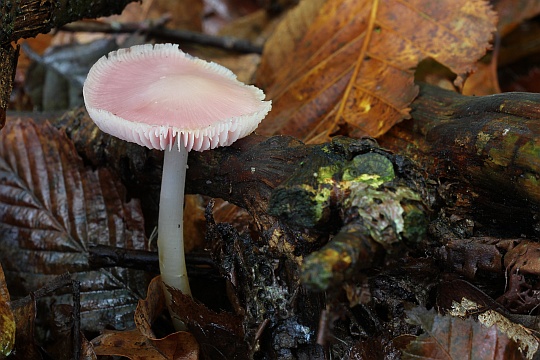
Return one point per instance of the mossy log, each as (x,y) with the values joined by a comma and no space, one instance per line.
(486,148)
(266,175)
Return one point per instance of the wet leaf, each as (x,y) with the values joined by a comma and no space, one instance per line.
(524,258)
(355,63)
(219,334)
(135,346)
(7,320)
(448,337)
(52,208)
(24,311)
(141,343)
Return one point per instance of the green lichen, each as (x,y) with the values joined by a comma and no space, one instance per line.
(504,151)
(482,139)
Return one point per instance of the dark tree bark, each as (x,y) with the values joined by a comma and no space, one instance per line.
(487,146)
(27,18)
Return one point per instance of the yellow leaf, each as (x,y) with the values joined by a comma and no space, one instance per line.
(354,65)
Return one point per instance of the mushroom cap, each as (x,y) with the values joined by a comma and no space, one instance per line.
(155,95)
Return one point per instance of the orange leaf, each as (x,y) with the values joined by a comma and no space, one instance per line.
(135,346)
(355,63)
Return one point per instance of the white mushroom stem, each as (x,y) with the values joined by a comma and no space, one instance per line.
(172,263)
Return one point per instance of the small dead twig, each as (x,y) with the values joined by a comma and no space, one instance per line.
(161,33)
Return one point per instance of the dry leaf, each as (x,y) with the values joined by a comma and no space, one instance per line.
(7,320)
(135,346)
(513,12)
(52,208)
(525,338)
(141,343)
(447,337)
(355,63)
(484,81)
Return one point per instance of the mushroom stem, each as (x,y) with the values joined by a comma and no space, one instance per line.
(172,262)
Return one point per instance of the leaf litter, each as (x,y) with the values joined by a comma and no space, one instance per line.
(52,209)
(355,63)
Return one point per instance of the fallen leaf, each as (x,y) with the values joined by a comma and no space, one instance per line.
(525,338)
(355,63)
(514,12)
(7,320)
(141,343)
(26,348)
(52,208)
(511,13)
(135,346)
(281,46)
(448,337)
(219,334)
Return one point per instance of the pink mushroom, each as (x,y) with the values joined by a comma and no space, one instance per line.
(162,98)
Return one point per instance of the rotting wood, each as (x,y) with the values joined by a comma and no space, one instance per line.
(486,149)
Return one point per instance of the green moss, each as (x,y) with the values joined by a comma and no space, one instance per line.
(327,173)
(369,167)
(502,154)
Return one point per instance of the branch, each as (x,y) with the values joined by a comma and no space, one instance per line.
(29,18)
(487,146)
(172,35)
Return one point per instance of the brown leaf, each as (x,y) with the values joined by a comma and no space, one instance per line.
(135,346)
(24,311)
(7,320)
(52,208)
(141,343)
(513,12)
(484,80)
(219,334)
(448,337)
(355,62)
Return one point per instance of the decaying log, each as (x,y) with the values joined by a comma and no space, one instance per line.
(485,149)
(301,196)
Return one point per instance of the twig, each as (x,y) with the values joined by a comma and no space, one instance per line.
(102,256)
(24,19)
(161,33)
(76,288)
